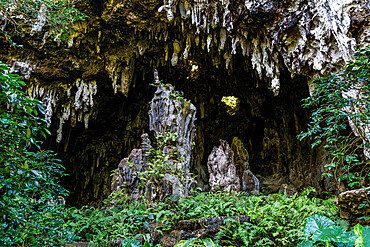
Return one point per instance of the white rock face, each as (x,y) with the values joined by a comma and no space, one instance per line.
(310,38)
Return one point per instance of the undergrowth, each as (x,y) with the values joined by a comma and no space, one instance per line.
(276,220)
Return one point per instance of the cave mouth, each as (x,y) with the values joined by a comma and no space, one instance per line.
(266,123)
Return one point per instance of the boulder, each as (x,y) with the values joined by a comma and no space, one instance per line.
(221,168)
(355,204)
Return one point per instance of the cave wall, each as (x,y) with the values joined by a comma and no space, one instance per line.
(96,90)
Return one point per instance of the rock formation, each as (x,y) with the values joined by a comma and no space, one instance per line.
(221,168)
(250,182)
(126,177)
(241,156)
(186,229)
(166,170)
(171,113)
(354,206)
(229,171)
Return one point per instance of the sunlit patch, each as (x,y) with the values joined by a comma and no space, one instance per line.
(193,70)
(232,104)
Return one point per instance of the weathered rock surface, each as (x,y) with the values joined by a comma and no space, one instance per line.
(173,121)
(171,113)
(355,204)
(241,156)
(126,177)
(221,168)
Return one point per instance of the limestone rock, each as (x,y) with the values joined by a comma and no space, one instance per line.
(170,113)
(186,229)
(172,119)
(126,176)
(222,169)
(351,205)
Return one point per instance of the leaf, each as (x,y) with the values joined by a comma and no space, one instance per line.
(334,234)
(37,173)
(317,222)
(358,229)
(187,243)
(208,242)
(28,134)
(306,244)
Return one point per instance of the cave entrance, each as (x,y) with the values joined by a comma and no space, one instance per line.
(229,105)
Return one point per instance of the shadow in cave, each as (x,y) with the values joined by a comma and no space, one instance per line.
(266,124)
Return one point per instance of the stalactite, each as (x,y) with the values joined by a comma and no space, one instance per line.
(310,44)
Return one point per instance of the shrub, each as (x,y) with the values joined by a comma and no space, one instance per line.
(29,177)
(276,220)
(340,101)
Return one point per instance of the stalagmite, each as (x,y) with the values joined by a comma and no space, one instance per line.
(168,115)
(221,168)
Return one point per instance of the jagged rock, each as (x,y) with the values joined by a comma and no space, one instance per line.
(126,177)
(170,113)
(250,182)
(222,169)
(354,204)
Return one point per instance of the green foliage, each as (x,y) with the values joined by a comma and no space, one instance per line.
(363,233)
(134,243)
(56,16)
(336,100)
(321,229)
(276,220)
(29,176)
(158,164)
(164,159)
(101,227)
(207,205)
(207,242)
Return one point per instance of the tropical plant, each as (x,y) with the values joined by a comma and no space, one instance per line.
(31,213)
(363,233)
(321,229)
(101,227)
(207,242)
(340,120)
(134,243)
(276,220)
(30,16)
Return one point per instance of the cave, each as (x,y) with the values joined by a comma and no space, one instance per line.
(96,86)
(266,123)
